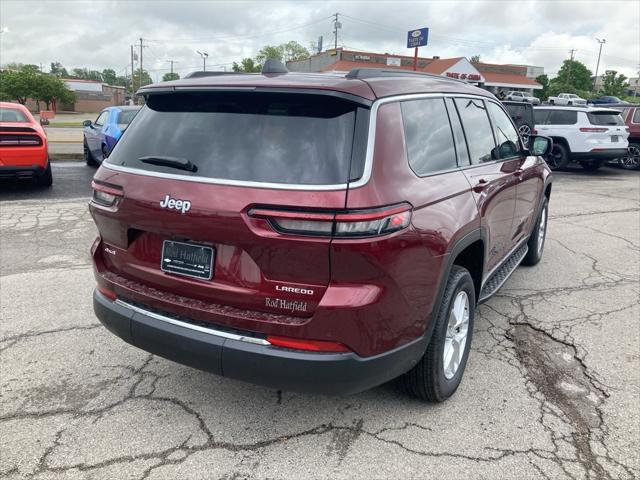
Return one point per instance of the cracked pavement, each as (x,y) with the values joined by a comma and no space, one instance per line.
(552,387)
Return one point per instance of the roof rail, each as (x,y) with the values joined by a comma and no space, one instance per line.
(200,74)
(364,73)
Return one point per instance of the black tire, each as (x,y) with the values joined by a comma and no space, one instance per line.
(427,380)
(552,102)
(558,158)
(569,103)
(632,160)
(105,154)
(536,240)
(46,179)
(88,157)
(591,166)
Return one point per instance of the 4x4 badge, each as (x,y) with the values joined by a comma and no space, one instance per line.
(183,205)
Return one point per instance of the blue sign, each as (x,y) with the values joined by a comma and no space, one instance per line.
(417,38)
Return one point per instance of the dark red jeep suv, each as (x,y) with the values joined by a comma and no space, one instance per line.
(315,232)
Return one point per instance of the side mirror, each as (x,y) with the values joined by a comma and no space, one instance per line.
(540,146)
(87,123)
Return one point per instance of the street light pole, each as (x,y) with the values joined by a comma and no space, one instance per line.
(204,56)
(595,79)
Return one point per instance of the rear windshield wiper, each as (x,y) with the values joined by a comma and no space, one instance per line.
(173,162)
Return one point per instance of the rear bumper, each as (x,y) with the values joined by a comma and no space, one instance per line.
(607,154)
(27,171)
(251,358)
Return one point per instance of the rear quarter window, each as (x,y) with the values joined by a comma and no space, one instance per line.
(428,136)
(636,116)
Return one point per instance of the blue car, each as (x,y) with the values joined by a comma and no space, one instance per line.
(607,100)
(101,136)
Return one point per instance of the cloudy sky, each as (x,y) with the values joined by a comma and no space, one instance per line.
(98,34)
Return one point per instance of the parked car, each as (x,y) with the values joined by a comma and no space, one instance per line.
(590,136)
(607,100)
(23,146)
(567,99)
(522,116)
(631,117)
(319,233)
(101,136)
(521,97)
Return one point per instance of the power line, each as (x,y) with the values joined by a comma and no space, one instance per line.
(239,36)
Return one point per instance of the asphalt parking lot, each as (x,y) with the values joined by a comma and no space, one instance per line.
(551,390)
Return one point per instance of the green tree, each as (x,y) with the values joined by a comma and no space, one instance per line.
(575,74)
(109,76)
(246,65)
(57,70)
(146,79)
(544,93)
(614,84)
(170,76)
(293,51)
(475,59)
(51,90)
(269,51)
(19,85)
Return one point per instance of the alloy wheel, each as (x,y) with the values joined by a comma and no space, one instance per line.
(542,229)
(632,160)
(456,336)
(554,158)
(525,131)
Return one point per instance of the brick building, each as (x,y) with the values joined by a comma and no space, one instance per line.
(495,78)
(91,96)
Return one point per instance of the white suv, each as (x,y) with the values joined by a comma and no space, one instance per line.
(521,97)
(589,135)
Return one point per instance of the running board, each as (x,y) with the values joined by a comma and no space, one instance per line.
(502,273)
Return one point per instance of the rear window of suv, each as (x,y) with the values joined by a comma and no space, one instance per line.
(280,138)
(605,118)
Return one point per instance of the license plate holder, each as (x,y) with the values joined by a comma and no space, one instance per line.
(614,138)
(187,259)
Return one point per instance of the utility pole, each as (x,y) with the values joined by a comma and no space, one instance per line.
(336,25)
(595,79)
(132,92)
(140,61)
(572,51)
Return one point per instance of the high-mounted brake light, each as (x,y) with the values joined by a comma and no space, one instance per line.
(339,224)
(309,345)
(593,129)
(105,194)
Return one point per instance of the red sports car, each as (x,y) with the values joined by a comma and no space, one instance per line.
(23,145)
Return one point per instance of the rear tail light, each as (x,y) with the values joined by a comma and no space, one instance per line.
(106,194)
(308,345)
(339,224)
(593,129)
(20,140)
(110,294)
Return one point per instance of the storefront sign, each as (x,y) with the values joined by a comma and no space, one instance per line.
(465,76)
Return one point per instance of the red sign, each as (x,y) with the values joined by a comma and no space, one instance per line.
(465,76)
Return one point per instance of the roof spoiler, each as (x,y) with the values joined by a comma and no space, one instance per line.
(364,73)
